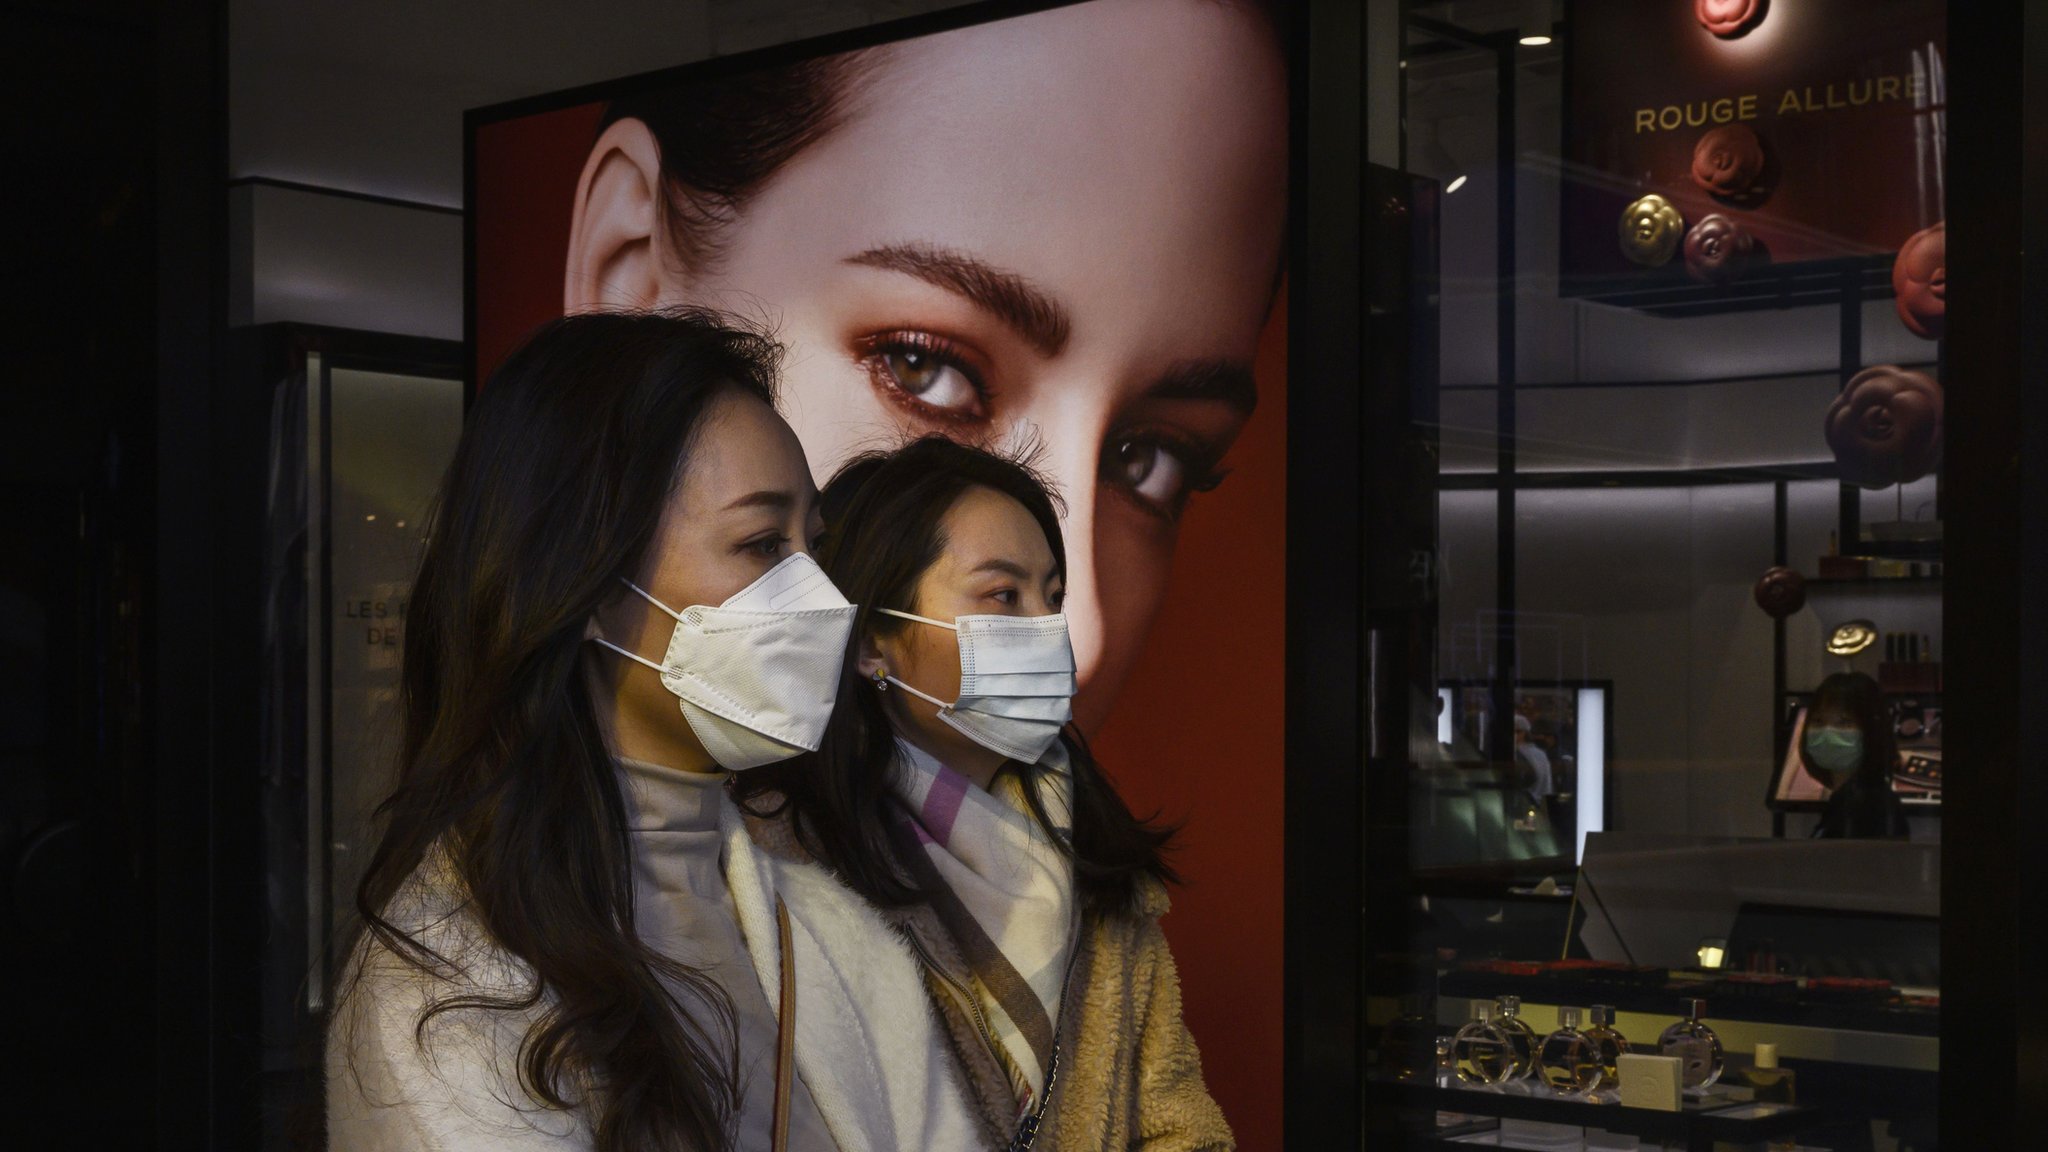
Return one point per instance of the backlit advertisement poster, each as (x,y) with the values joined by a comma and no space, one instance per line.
(1059,230)
(1716,141)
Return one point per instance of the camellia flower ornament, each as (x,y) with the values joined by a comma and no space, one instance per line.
(1780,592)
(1729,18)
(1885,427)
(1650,230)
(1920,282)
(1727,160)
(1718,249)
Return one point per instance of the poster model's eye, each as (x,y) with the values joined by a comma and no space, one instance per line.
(928,374)
(1158,472)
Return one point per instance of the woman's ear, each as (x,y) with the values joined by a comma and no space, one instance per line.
(615,230)
(871,659)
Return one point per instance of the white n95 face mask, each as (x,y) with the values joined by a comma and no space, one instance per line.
(757,675)
(1016,681)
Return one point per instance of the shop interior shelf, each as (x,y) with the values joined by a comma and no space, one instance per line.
(1898,583)
(1721,1120)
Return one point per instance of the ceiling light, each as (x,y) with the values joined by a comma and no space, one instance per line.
(1536,41)
(1536,22)
(1455,184)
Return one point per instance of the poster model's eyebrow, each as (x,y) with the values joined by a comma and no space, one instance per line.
(1229,381)
(1035,316)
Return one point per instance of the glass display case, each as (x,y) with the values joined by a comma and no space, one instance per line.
(1672,661)
(361,427)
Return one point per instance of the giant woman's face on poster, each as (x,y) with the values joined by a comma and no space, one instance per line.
(1061,231)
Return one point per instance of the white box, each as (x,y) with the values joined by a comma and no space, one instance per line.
(1650,1082)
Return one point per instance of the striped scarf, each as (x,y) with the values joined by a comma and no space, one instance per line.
(1003,890)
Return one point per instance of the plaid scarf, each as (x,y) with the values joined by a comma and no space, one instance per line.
(1003,890)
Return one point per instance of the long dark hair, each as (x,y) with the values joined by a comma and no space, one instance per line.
(556,489)
(883,531)
(1863,806)
(1859,697)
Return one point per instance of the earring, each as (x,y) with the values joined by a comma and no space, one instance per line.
(881,680)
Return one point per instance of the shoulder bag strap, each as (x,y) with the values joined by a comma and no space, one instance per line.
(785,1031)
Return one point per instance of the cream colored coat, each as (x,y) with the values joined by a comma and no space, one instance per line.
(868,1046)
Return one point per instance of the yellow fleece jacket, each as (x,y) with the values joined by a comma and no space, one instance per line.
(1130,1077)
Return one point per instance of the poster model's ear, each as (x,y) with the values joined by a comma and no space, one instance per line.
(615,233)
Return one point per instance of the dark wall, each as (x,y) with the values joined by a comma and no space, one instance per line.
(109,954)
(77,397)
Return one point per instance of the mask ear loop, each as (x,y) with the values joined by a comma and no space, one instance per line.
(635,656)
(919,619)
(647,596)
(885,677)
(943,706)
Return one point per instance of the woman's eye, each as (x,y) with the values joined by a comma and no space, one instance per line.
(770,546)
(926,371)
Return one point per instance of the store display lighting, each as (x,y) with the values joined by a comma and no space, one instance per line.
(1456,183)
(1535,23)
(1852,637)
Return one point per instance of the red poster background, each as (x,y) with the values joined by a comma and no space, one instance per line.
(1197,734)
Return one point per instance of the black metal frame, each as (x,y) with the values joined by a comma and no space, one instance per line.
(1994,1025)
(201,861)
(1326,746)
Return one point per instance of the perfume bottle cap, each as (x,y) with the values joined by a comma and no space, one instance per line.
(1766,1055)
(1481,1010)
(1696,1007)
(1509,1005)
(1603,1015)
(1568,1018)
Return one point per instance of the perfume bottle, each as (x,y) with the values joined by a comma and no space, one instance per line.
(1697,1048)
(1407,1047)
(1772,1084)
(1446,1063)
(1484,1058)
(1522,1038)
(1610,1043)
(1570,1062)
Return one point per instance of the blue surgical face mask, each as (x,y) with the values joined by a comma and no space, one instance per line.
(1836,751)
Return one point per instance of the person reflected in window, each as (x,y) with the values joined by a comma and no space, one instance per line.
(1849,745)
(1532,763)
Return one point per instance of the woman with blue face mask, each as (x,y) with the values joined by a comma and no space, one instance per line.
(951,791)
(1848,744)
(570,942)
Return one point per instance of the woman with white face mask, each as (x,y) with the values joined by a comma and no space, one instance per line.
(951,790)
(570,941)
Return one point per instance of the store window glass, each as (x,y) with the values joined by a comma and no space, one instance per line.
(1675,777)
